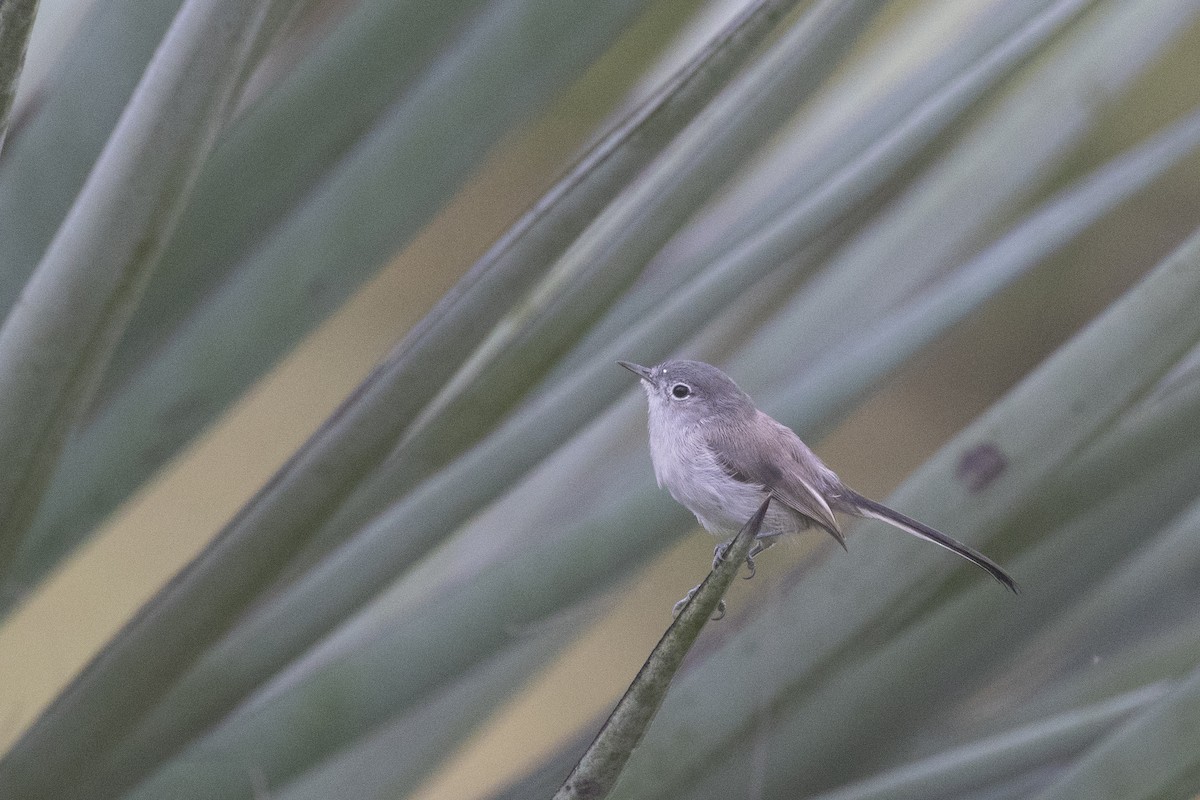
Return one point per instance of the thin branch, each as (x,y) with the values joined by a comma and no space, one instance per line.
(597,771)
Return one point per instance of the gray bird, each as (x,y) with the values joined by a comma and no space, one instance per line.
(719,456)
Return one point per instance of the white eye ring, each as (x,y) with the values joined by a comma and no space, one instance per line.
(680,391)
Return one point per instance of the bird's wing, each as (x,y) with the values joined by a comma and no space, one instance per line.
(770,455)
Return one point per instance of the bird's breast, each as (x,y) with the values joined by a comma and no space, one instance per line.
(686,466)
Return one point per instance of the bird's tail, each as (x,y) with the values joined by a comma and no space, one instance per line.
(866,507)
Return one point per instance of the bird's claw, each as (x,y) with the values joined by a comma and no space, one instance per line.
(755,549)
(719,553)
(722,550)
(678,607)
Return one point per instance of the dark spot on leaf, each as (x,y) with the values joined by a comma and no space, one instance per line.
(981,465)
(320,293)
(584,787)
(182,412)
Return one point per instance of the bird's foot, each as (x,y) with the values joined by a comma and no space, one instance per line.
(755,549)
(678,607)
(723,549)
(719,553)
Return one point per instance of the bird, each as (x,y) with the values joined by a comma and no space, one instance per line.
(719,456)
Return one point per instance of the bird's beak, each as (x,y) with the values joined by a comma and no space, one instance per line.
(637,369)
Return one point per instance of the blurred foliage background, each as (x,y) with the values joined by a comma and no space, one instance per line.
(904,216)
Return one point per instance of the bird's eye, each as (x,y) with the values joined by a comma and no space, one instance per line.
(681,390)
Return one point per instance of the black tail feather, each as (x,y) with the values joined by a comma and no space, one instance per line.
(869,508)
